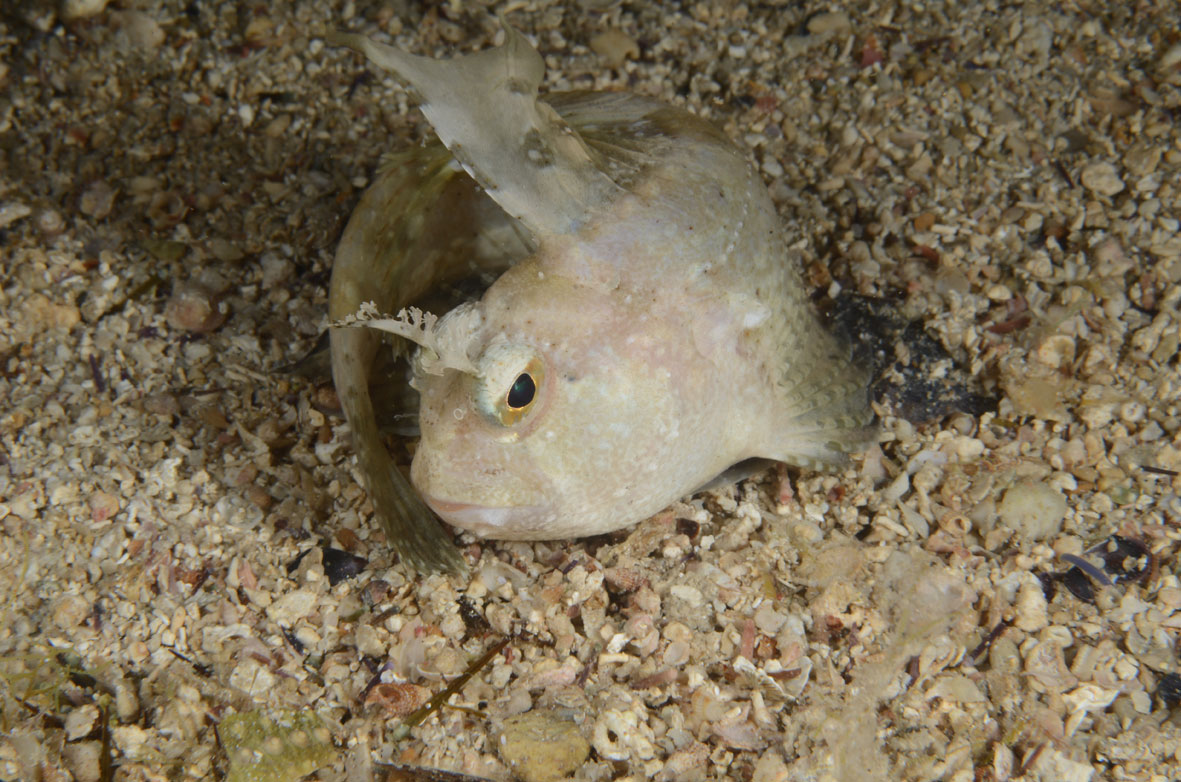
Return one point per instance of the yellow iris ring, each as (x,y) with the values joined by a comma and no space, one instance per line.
(509,416)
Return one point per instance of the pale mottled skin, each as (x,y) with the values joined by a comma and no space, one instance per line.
(660,317)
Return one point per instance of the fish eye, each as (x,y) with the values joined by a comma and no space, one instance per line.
(521,392)
(516,402)
(510,381)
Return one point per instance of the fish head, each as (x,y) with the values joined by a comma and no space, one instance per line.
(565,412)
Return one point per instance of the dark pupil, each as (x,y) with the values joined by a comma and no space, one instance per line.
(521,392)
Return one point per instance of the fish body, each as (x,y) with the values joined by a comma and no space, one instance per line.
(652,332)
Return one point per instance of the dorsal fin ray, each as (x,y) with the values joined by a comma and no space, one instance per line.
(485,108)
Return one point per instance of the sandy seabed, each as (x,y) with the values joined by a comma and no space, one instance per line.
(194,586)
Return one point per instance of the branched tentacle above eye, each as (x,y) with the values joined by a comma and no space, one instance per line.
(445,341)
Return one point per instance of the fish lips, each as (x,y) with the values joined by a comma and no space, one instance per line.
(481,487)
(513,522)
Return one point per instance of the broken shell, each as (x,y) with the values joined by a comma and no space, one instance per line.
(1088,698)
(1056,351)
(1045,663)
(398,700)
(1031,608)
(941,653)
(619,735)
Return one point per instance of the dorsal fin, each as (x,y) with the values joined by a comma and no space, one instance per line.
(485,108)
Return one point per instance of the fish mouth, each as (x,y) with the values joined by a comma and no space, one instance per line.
(486,521)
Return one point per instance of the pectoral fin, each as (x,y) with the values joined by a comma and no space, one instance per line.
(823,412)
(421,224)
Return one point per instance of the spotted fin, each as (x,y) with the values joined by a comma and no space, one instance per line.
(824,412)
(485,109)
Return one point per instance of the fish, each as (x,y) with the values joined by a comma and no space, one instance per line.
(647,329)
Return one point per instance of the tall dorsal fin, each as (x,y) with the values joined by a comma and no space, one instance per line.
(485,109)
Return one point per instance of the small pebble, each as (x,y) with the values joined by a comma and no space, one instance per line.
(164,250)
(1169,598)
(132,741)
(1102,178)
(1036,39)
(615,47)
(1170,60)
(253,677)
(1056,351)
(259,497)
(691,595)
(39,311)
(50,222)
(1142,159)
(162,404)
(259,31)
(97,200)
(275,269)
(1033,509)
(141,32)
(10,213)
(277,127)
(225,251)
(246,114)
(768,620)
(292,606)
(1110,258)
(126,702)
(84,760)
(81,721)
(80,9)
(102,505)
(542,746)
(1031,606)
(70,611)
(829,22)
(195,308)
(770,768)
